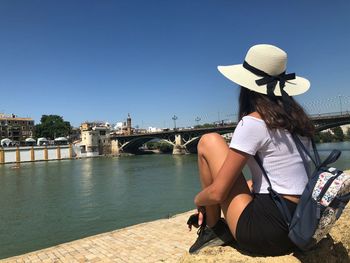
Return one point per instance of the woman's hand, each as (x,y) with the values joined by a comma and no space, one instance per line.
(193,221)
(197,219)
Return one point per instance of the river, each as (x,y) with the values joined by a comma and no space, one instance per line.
(48,203)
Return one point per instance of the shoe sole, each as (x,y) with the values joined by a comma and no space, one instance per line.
(212,243)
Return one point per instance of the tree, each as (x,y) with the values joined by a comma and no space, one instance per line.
(52,126)
(326,136)
(205,125)
(317,137)
(165,147)
(338,133)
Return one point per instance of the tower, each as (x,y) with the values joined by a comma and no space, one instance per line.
(128,124)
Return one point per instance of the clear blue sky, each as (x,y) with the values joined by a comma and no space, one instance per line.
(100,60)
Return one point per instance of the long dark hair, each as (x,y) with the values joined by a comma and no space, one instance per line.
(273,112)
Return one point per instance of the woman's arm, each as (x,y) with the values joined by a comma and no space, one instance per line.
(224,181)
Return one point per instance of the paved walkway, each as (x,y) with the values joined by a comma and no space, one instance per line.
(164,240)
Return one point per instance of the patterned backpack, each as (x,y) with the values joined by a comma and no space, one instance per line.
(322,202)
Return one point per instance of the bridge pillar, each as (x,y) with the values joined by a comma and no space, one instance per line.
(179,148)
(115,150)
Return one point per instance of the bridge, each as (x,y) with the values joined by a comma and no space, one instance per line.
(186,140)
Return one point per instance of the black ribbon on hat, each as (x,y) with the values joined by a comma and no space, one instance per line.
(271,81)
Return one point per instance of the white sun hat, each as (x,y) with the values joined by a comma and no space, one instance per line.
(263,71)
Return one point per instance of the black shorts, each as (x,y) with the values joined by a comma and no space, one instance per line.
(261,228)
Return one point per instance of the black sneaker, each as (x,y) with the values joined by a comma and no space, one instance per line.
(218,235)
(206,237)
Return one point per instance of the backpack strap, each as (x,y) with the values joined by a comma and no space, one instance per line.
(317,155)
(276,197)
(332,157)
(302,149)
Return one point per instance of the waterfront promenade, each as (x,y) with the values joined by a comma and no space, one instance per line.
(164,240)
(167,240)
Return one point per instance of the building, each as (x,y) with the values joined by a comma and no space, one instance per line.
(15,128)
(95,138)
(124,128)
(345,128)
(128,125)
(154,129)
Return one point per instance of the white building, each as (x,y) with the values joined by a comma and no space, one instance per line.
(345,128)
(154,129)
(95,139)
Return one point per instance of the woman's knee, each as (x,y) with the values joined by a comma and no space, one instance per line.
(209,141)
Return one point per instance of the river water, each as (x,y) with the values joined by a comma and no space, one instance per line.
(48,203)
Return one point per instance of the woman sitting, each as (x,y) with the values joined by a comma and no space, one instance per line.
(268,118)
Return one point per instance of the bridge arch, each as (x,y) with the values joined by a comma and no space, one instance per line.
(132,146)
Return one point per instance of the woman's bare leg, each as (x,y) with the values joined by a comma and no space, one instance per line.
(213,212)
(212,151)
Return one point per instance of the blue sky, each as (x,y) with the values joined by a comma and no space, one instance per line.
(101,59)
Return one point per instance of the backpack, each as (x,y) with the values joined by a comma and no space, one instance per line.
(322,202)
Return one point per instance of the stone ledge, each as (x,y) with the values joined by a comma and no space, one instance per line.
(164,240)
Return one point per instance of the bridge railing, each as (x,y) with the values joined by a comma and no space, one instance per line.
(340,116)
(331,114)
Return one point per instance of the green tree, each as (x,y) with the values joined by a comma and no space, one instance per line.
(52,126)
(205,125)
(317,137)
(165,147)
(326,136)
(338,133)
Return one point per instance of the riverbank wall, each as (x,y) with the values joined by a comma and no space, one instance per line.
(35,153)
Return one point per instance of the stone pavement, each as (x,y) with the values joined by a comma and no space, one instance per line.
(164,240)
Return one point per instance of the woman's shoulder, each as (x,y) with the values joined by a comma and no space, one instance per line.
(252,123)
(253,117)
(250,134)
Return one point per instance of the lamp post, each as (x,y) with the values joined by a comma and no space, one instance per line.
(341,110)
(174,119)
(198,119)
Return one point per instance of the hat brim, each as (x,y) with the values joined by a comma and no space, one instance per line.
(245,78)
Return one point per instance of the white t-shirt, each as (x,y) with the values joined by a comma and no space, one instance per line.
(278,153)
